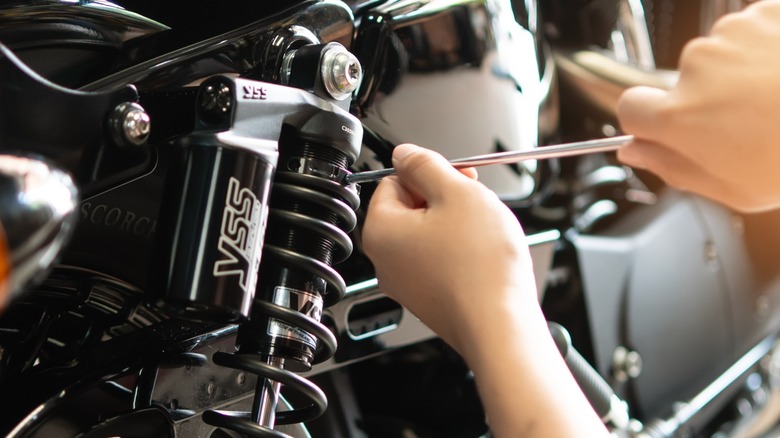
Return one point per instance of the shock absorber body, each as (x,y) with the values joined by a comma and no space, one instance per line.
(305,137)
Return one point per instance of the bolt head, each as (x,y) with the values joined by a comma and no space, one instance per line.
(137,125)
(130,124)
(341,71)
(346,73)
(216,100)
(626,364)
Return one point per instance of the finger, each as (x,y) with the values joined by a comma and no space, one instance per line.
(390,193)
(640,111)
(424,172)
(631,155)
(686,174)
(470,172)
(675,169)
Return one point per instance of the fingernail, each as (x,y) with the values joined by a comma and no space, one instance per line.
(402,151)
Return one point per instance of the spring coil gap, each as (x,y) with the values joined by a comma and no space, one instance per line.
(340,202)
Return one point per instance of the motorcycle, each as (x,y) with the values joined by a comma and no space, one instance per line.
(182,248)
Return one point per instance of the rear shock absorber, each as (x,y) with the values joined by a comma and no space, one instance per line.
(310,212)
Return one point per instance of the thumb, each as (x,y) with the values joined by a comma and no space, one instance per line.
(424,172)
(640,111)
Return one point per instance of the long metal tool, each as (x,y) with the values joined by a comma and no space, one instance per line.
(541,153)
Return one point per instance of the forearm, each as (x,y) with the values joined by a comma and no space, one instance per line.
(524,384)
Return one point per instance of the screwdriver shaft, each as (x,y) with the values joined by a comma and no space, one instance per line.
(541,153)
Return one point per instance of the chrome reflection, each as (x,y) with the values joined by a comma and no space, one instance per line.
(468,82)
(630,40)
(37,206)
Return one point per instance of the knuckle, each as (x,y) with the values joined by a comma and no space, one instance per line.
(695,49)
(727,22)
(419,162)
(760,7)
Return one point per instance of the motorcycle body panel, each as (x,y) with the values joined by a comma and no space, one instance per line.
(674,283)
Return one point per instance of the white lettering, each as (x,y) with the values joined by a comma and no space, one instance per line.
(240,236)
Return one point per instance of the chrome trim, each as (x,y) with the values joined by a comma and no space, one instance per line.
(602,176)
(594,213)
(542,237)
(631,39)
(362,286)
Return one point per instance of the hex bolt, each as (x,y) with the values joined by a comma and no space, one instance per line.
(130,124)
(241,379)
(626,364)
(216,100)
(346,73)
(211,389)
(341,71)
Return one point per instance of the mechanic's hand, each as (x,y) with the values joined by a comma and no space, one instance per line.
(446,247)
(717,132)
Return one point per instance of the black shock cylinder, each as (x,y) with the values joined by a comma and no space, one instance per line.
(214,214)
(217,238)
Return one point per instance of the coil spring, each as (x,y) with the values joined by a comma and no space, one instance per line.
(309,243)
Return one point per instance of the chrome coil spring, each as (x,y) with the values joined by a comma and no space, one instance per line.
(310,214)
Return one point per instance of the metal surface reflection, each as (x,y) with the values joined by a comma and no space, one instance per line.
(37,218)
(70,42)
(462,78)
